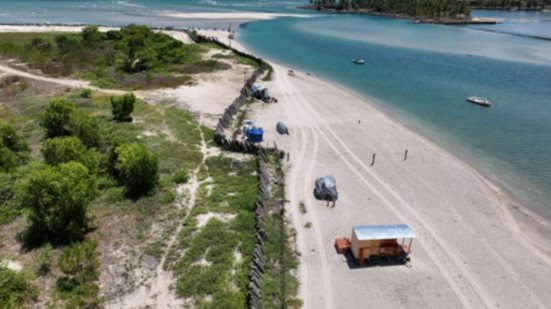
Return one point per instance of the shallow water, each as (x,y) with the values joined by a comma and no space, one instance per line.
(419,73)
(422,74)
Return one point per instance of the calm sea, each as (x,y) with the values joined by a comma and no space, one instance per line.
(419,73)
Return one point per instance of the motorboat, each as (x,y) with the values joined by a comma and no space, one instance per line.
(480,101)
(358,61)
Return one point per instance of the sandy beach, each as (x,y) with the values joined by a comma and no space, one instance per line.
(475,248)
(232,15)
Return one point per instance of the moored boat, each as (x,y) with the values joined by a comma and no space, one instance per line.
(480,101)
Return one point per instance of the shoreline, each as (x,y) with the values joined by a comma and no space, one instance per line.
(422,20)
(418,127)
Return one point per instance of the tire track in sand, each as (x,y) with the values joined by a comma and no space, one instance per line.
(296,182)
(447,253)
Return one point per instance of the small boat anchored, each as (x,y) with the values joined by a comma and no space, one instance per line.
(358,61)
(480,101)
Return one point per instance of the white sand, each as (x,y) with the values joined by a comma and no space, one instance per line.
(42,28)
(470,250)
(232,15)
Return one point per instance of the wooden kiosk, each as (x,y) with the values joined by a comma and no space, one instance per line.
(391,241)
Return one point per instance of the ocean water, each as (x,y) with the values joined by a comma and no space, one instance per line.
(421,74)
(418,73)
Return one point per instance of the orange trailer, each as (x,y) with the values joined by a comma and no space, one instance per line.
(391,241)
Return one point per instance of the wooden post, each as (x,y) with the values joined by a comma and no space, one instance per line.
(373,160)
(406,155)
(288,155)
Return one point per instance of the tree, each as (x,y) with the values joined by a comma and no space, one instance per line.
(56,118)
(85,127)
(62,118)
(91,36)
(13,149)
(136,168)
(57,199)
(122,107)
(64,149)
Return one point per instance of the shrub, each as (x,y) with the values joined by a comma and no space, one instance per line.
(8,159)
(11,140)
(13,149)
(64,149)
(122,107)
(15,289)
(80,267)
(57,199)
(56,118)
(44,260)
(180,177)
(136,168)
(85,127)
(86,93)
(79,262)
(62,118)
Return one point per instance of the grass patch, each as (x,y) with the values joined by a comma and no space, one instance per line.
(210,266)
(279,288)
(131,58)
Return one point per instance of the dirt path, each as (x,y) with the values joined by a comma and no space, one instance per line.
(73,83)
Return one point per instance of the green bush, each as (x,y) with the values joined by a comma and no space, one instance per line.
(57,199)
(62,118)
(180,177)
(56,118)
(85,127)
(136,168)
(64,149)
(15,289)
(122,107)
(8,159)
(80,267)
(13,149)
(86,93)
(44,260)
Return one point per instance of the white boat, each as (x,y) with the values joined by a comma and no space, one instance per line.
(479,101)
(358,61)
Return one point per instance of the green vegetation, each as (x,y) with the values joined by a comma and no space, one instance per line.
(57,199)
(512,4)
(69,148)
(279,287)
(180,177)
(77,287)
(420,9)
(61,118)
(165,131)
(217,255)
(133,58)
(136,168)
(15,289)
(13,149)
(122,107)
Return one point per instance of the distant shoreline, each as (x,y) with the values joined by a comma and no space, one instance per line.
(441,21)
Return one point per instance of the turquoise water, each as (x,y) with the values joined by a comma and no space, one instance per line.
(422,73)
(419,73)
